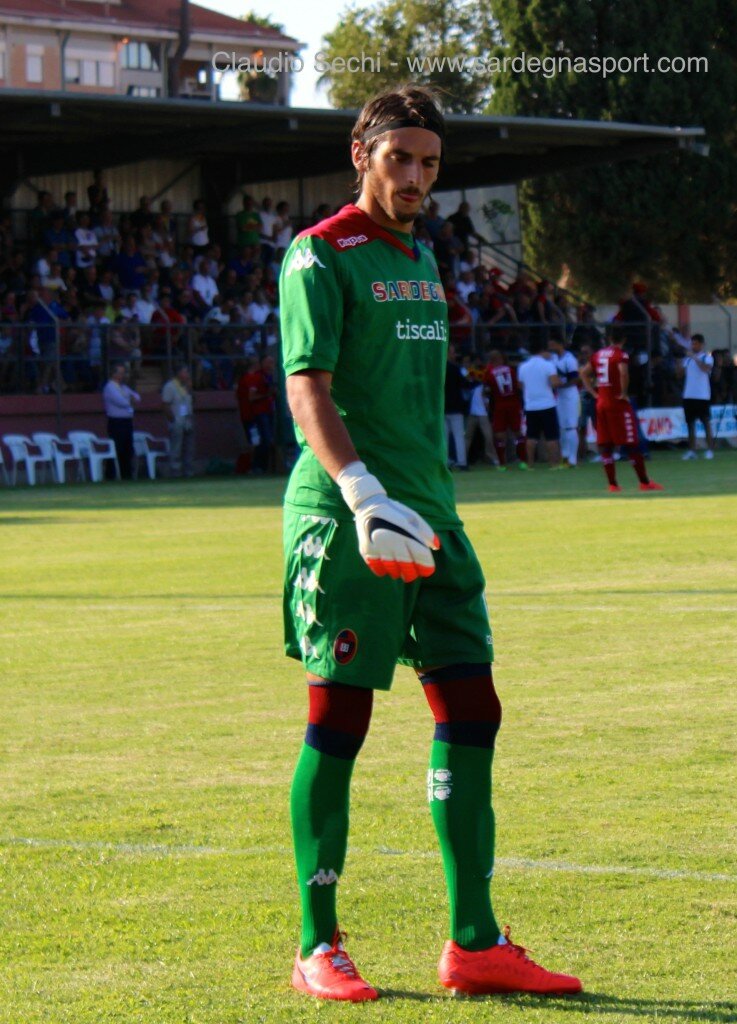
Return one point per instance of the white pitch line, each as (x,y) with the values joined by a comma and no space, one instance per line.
(512,863)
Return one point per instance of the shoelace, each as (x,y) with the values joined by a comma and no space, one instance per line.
(520,951)
(339,959)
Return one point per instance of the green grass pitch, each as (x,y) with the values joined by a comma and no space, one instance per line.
(149,725)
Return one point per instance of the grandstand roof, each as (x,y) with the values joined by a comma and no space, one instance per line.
(46,133)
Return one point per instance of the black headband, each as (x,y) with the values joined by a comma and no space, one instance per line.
(400,122)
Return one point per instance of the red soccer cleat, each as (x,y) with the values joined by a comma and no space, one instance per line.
(331,974)
(503,968)
(615,488)
(651,486)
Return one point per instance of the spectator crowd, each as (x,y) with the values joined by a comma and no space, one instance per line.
(136,287)
(90,289)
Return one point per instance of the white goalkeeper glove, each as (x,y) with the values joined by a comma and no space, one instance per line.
(393,540)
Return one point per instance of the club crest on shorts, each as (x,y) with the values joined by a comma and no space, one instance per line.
(345,646)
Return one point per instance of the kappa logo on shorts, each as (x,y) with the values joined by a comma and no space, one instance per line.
(305,611)
(305,580)
(345,646)
(311,547)
(308,648)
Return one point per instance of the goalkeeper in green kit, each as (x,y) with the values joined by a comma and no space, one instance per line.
(378,568)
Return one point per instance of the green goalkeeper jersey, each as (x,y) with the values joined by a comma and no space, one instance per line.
(367,305)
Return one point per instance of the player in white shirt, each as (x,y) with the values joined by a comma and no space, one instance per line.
(696,368)
(567,401)
(537,378)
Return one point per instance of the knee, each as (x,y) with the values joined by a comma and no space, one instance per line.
(338,718)
(464,704)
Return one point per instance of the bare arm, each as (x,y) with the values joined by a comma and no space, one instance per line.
(314,411)
(624,378)
(587,376)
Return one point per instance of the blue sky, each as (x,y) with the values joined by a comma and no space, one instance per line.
(306,20)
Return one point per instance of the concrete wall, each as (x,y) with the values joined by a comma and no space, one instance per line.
(125,185)
(218,428)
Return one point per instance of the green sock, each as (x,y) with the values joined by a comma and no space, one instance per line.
(459,791)
(320,798)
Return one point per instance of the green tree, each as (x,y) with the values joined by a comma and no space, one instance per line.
(669,219)
(262,20)
(259,86)
(405,39)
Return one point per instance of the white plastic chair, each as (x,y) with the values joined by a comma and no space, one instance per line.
(59,453)
(96,450)
(3,469)
(26,454)
(150,448)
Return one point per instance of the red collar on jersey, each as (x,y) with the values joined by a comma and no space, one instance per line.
(351,227)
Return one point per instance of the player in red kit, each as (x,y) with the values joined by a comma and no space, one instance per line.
(501,380)
(607,377)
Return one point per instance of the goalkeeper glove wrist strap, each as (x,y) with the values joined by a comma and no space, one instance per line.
(357,485)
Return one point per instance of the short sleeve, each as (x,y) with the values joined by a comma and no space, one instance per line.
(166,393)
(310,306)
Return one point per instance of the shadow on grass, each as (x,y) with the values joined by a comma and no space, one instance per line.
(130,495)
(586,1002)
(481,485)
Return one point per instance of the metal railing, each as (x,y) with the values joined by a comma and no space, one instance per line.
(63,357)
(76,357)
(492,254)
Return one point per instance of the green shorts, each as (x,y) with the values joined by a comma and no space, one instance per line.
(346,624)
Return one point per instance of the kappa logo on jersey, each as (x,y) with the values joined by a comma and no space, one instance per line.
(345,646)
(347,243)
(407,291)
(439,783)
(323,877)
(303,259)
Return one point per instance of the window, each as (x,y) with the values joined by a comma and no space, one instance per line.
(72,70)
(34,67)
(89,72)
(148,91)
(140,57)
(106,73)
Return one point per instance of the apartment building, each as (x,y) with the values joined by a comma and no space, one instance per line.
(124,47)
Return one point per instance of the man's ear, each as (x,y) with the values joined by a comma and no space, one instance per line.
(359,156)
